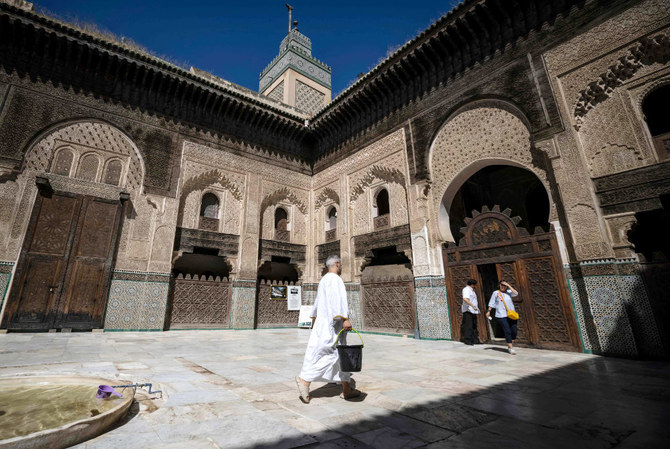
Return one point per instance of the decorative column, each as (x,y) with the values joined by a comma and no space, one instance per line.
(430,294)
(243,300)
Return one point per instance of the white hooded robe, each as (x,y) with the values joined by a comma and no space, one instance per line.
(321,363)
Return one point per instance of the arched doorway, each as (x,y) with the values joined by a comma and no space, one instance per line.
(511,241)
(76,178)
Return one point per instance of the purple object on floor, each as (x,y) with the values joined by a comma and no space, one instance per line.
(105,391)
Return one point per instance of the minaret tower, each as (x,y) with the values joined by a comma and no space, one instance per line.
(295,77)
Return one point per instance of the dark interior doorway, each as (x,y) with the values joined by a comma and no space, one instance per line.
(203,261)
(389,256)
(279,269)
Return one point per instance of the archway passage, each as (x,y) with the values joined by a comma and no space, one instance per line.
(201,291)
(509,187)
(494,247)
(655,109)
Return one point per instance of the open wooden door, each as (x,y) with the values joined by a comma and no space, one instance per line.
(529,262)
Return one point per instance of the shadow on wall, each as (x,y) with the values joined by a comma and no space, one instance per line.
(578,405)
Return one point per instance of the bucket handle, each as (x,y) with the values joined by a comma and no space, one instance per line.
(337,338)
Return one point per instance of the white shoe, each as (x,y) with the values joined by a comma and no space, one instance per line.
(511,351)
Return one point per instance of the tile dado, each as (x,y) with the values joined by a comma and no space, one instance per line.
(243,304)
(137,301)
(5,279)
(432,310)
(613,310)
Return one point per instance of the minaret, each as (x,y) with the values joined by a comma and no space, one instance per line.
(295,77)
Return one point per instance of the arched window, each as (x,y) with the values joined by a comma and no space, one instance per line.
(382,202)
(655,109)
(209,208)
(281,225)
(331,225)
(331,222)
(88,167)
(381,209)
(63,163)
(281,219)
(113,172)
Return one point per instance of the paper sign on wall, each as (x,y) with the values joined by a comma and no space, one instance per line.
(294,297)
(304,320)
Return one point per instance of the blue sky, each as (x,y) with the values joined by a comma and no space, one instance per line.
(236,40)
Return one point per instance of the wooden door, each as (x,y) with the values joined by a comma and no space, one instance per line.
(510,272)
(457,279)
(65,265)
(39,276)
(82,301)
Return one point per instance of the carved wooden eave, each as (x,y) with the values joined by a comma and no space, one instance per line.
(40,47)
(470,34)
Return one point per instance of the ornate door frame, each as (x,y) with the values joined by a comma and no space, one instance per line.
(531,262)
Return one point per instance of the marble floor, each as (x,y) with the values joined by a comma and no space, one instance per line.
(235,389)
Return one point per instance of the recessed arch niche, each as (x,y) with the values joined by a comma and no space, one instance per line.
(489,183)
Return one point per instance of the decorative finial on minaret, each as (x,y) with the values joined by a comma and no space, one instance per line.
(290,8)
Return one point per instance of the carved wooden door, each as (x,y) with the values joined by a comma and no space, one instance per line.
(65,265)
(528,262)
(457,279)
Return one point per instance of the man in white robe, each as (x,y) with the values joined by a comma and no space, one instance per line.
(329,315)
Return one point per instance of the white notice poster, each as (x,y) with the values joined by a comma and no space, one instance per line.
(294,297)
(304,319)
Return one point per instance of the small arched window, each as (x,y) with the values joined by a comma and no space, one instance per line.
(88,167)
(63,163)
(331,225)
(331,222)
(382,202)
(381,209)
(281,219)
(209,208)
(655,109)
(113,172)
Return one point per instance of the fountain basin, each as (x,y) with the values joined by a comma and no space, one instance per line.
(56,412)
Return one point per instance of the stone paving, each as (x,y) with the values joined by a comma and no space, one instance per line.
(235,389)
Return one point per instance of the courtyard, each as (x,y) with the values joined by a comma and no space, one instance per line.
(225,389)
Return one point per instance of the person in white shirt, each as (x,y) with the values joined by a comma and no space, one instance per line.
(501,300)
(329,315)
(470,309)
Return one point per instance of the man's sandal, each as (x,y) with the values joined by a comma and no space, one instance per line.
(303,390)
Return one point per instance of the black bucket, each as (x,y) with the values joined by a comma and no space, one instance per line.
(351,356)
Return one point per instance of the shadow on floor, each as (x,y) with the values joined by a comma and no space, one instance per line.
(598,403)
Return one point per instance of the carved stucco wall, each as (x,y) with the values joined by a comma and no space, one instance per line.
(248,191)
(355,180)
(478,135)
(600,78)
(228,186)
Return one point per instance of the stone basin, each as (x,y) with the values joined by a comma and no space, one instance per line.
(57,412)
